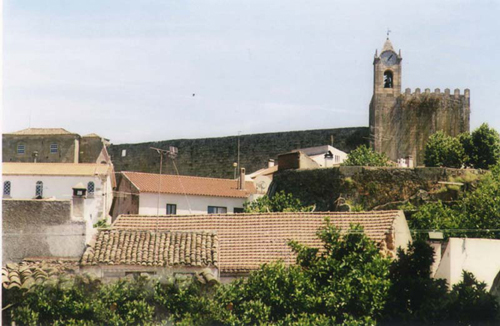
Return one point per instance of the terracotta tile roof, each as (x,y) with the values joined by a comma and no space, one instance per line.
(84,169)
(27,273)
(42,131)
(248,240)
(149,248)
(173,184)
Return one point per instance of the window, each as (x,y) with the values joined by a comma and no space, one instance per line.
(217,210)
(39,189)
(171,209)
(53,148)
(124,152)
(388,79)
(20,149)
(6,188)
(90,189)
(238,210)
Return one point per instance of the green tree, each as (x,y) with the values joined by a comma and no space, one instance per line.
(280,202)
(414,296)
(345,283)
(482,147)
(365,156)
(471,304)
(475,215)
(444,150)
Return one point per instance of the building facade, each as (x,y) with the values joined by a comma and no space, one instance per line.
(58,180)
(53,145)
(401,123)
(152,194)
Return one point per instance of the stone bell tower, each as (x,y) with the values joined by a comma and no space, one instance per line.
(401,123)
(386,90)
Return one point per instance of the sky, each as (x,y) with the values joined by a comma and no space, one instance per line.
(149,70)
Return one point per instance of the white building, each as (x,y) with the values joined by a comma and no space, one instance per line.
(481,257)
(57,180)
(326,156)
(148,194)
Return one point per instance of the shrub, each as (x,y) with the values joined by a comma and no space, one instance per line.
(443,150)
(365,156)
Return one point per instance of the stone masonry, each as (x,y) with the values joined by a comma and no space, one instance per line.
(401,124)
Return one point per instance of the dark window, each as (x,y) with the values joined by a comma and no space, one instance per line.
(388,79)
(217,210)
(39,189)
(6,188)
(238,210)
(20,149)
(90,188)
(53,148)
(171,209)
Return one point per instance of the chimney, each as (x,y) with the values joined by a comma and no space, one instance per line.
(241,185)
(270,163)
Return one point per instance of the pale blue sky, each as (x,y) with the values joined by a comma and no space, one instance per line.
(127,70)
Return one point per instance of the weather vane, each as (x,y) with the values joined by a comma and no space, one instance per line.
(388,32)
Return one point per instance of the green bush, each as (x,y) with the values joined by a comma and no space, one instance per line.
(279,202)
(443,150)
(479,150)
(365,156)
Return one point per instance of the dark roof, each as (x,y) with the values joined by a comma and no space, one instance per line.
(248,240)
(149,248)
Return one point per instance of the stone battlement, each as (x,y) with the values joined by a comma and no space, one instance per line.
(437,92)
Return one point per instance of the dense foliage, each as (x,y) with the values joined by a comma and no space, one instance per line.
(476,214)
(479,150)
(279,202)
(417,299)
(365,156)
(482,147)
(347,282)
(444,150)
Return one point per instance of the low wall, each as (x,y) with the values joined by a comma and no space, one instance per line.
(373,188)
(40,228)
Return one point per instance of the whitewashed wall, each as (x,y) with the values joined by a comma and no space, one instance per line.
(478,256)
(199,204)
(338,158)
(61,187)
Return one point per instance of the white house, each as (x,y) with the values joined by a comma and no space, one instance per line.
(58,180)
(326,156)
(481,257)
(148,194)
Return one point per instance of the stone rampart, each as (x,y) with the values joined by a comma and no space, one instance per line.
(371,188)
(214,157)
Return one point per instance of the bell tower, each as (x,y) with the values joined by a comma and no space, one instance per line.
(386,90)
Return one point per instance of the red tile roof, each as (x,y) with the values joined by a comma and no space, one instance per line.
(173,184)
(248,240)
(149,248)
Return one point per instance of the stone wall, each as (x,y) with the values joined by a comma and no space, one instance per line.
(214,157)
(371,188)
(41,144)
(401,125)
(40,228)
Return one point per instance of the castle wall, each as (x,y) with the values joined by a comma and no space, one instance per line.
(401,126)
(214,157)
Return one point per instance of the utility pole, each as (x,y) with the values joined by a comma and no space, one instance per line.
(239,133)
(172,152)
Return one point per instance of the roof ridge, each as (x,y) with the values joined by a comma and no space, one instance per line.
(183,176)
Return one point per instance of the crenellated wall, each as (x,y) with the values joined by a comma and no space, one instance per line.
(404,123)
